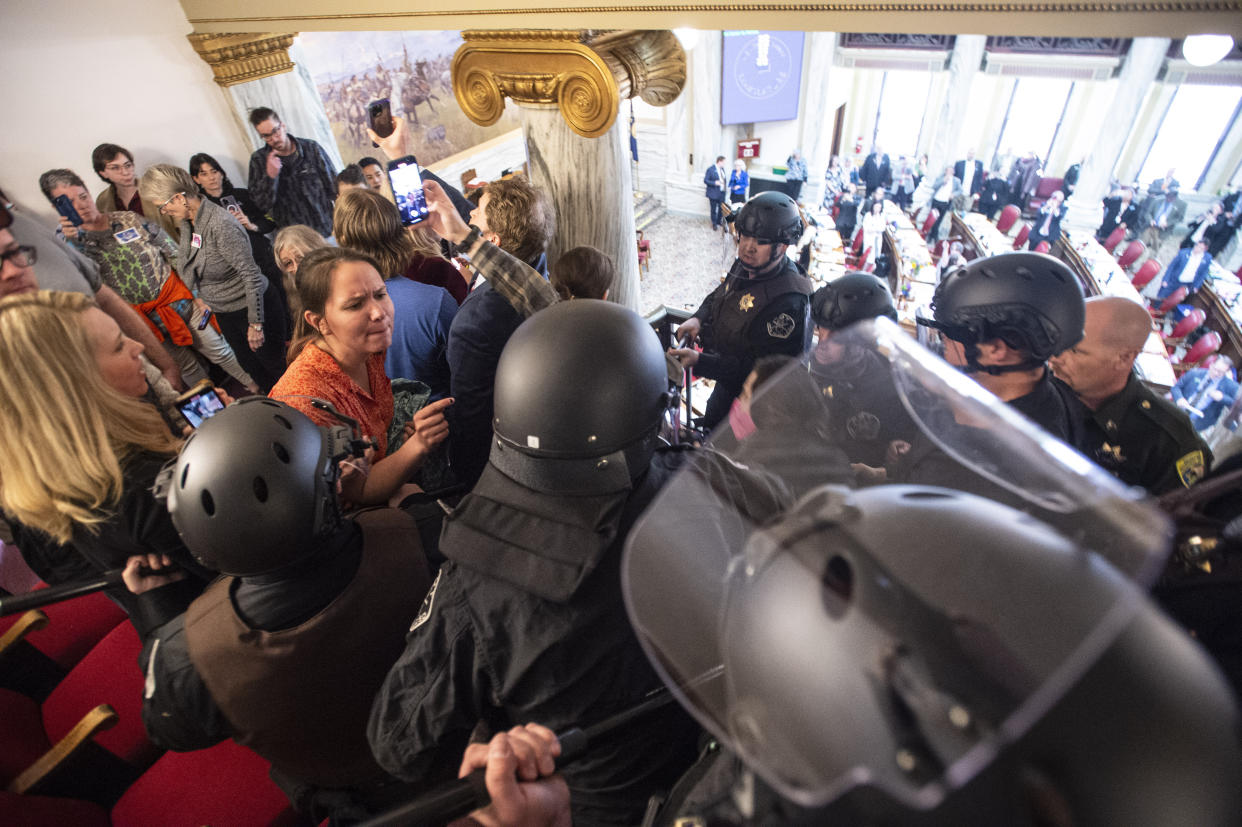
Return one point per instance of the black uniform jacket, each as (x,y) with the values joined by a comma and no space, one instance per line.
(526,623)
(1144,439)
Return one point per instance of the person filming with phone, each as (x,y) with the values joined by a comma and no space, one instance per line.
(292,178)
(135,257)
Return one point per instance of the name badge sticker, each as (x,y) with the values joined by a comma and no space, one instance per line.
(196,241)
(126,236)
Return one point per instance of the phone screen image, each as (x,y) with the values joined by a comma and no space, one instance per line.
(65,208)
(407,189)
(200,406)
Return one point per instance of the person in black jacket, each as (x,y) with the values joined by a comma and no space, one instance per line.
(762,308)
(525,621)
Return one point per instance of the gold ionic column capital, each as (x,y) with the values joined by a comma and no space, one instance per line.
(586,74)
(237,58)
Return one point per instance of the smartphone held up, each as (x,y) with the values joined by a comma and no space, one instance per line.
(406,181)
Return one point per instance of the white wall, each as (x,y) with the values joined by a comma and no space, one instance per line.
(77,74)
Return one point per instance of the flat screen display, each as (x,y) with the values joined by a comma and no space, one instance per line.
(762,76)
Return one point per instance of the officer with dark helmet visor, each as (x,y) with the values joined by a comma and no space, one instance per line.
(285,652)
(999,320)
(759,310)
(856,381)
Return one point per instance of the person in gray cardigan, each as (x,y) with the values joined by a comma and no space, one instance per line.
(215,262)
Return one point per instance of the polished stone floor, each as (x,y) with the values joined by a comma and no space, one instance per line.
(688,260)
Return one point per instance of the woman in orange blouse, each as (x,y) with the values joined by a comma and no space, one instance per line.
(338,356)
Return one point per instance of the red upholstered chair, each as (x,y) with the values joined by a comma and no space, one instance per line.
(644,250)
(932,215)
(1114,238)
(857,246)
(1043,247)
(1007,218)
(1024,232)
(100,698)
(36,654)
(1208,344)
(1043,191)
(226,784)
(1174,299)
(1189,323)
(1147,271)
(1133,251)
(47,811)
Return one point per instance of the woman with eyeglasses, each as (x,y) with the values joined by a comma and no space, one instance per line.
(135,257)
(81,450)
(114,165)
(215,262)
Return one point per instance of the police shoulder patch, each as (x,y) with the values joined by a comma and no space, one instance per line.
(425,611)
(1190,468)
(782,327)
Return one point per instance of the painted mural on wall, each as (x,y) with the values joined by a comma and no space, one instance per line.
(411,69)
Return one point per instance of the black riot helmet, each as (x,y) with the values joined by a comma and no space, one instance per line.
(1030,300)
(581,390)
(851,298)
(771,218)
(254,487)
(886,657)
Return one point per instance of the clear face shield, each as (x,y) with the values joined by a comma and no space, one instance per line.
(838,630)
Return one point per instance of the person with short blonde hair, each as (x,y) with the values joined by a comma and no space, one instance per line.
(215,261)
(290,246)
(79,448)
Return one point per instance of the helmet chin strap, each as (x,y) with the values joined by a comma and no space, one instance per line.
(772,263)
(972,364)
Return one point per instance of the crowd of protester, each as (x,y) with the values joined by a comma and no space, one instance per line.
(306,288)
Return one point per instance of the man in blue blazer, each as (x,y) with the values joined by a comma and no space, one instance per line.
(717,183)
(1204,393)
(1189,269)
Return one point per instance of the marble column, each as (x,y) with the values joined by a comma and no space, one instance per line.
(268,70)
(1142,64)
(707,136)
(948,123)
(818,111)
(569,86)
(589,181)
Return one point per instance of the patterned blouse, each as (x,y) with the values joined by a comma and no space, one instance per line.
(134,255)
(315,373)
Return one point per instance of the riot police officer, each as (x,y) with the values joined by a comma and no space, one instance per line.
(760,309)
(286,651)
(856,381)
(525,620)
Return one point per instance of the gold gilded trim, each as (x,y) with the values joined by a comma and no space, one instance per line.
(585,74)
(1151,6)
(237,58)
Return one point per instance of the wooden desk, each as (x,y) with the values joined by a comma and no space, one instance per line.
(1102,276)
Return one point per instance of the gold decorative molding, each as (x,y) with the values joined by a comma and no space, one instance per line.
(237,58)
(586,74)
(1065,18)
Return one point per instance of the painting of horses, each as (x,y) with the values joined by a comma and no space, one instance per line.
(411,70)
